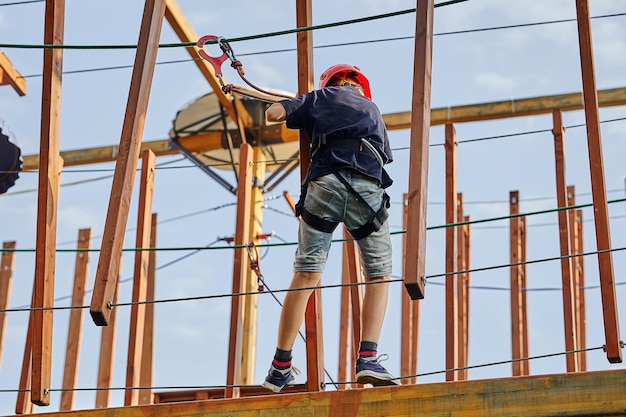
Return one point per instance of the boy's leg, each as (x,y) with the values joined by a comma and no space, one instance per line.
(374,307)
(294,306)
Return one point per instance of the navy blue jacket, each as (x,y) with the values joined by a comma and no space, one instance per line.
(341,112)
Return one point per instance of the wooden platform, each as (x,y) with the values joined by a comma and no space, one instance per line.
(576,394)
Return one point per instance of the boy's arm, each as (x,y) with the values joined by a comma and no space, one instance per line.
(275,113)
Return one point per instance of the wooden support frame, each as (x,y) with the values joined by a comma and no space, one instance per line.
(410,318)
(10,76)
(598,186)
(147,354)
(313,313)
(418,164)
(519,331)
(140,279)
(462,290)
(568,285)
(107,351)
(578,280)
(240,270)
(23,405)
(6,276)
(452,302)
(124,175)
(345,309)
(50,165)
(74,333)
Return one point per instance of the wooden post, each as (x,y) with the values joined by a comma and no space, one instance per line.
(74,333)
(598,186)
(517,334)
(23,404)
(452,303)
(355,276)
(566,260)
(524,285)
(345,344)
(418,165)
(47,200)
(124,175)
(461,292)
(575,238)
(466,278)
(107,352)
(250,302)
(6,274)
(241,266)
(140,278)
(145,379)
(410,318)
(313,313)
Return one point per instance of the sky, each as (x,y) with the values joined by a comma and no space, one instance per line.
(473,67)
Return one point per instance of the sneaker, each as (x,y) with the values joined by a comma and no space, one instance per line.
(276,379)
(372,372)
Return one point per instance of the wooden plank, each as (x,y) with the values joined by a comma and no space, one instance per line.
(186,33)
(461,293)
(598,186)
(410,319)
(124,176)
(345,345)
(107,353)
(207,141)
(577,394)
(355,276)
(517,334)
(418,163)
(467,234)
(147,354)
(251,280)
(506,109)
(140,279)
(452,303)
(10,76)
(567,285)
(581,282)
(23,404)
(6,276)
(47,200)
(524,285)
(74,332)
(313,312)
(240,269)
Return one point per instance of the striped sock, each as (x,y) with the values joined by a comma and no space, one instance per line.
(282,360)
(368,350)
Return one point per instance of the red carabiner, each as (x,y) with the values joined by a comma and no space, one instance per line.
(216,62)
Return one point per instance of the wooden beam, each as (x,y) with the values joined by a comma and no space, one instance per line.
(10,76)
(240,269)
(601,393)
(47,200)
(567,286)
(524,285)
(517,312)
(462,295)
(107,352)
(147,355)
(506,109)
(345,356)
(140,279)
(410,319)
(6,276)
(355,276)
(22,403)
(186,33)
(452,323)
(205,142)
(124,176)
(74,332)
(418,164)
(598,186)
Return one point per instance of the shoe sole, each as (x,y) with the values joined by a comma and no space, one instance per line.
(276,388)
(367,377)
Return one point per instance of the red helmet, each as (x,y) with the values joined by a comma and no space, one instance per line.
(343,71)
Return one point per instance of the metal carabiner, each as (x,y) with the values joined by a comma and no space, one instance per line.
(216,62)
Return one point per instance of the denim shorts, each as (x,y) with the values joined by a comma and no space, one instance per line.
(328,198)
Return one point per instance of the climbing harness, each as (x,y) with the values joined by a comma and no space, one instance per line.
(377,218)
(227,53)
